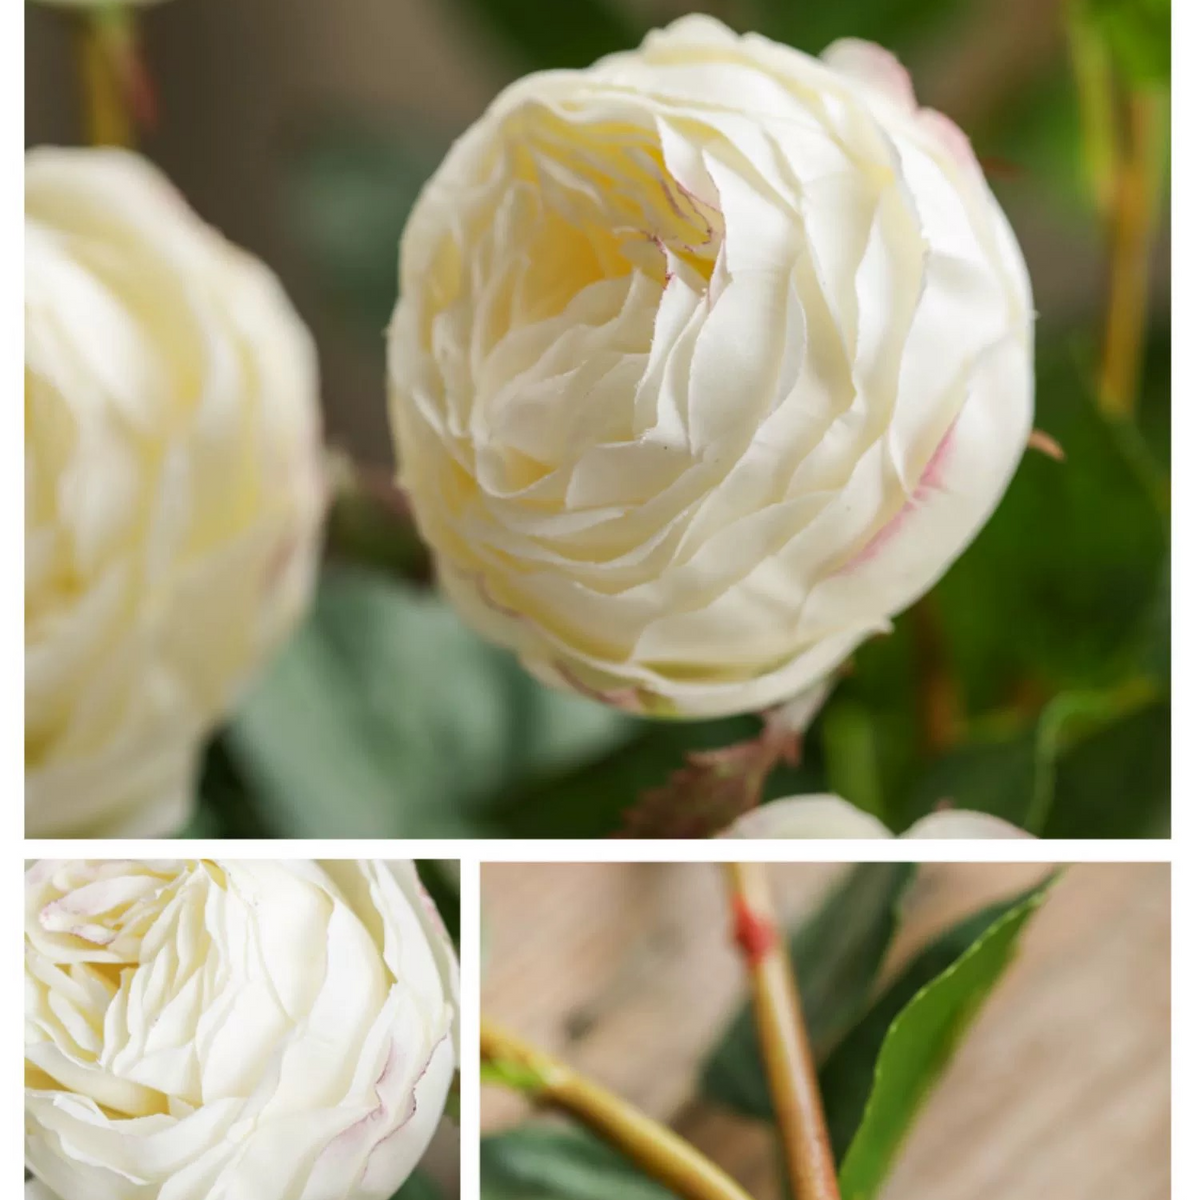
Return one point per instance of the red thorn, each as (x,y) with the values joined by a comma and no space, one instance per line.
(757,936)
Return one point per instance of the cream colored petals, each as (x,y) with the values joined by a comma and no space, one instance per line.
(249,1030)
(173,488)
(708,360)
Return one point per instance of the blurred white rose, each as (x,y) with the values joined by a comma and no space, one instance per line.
(248,1030)
(707,360)
(833,817)
(173,488)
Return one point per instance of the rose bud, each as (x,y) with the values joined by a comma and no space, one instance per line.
(833,817)
(173,488)
(707,360)
(276,1030)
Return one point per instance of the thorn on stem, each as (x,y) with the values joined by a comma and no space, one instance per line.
(755,935)
(1043,443)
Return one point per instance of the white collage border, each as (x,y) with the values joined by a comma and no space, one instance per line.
(1182,851)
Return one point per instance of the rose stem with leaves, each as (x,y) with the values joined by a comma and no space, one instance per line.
(782,1036)
(653,1147)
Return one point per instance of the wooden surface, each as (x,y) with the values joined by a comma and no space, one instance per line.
(1060,1092)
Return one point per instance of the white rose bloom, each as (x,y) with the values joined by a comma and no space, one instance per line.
(173,488)
(707,360)
(833,817)
(242,1030)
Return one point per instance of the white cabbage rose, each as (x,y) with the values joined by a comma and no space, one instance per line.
(173,488)
(233,1029)
(832,817)
(707,360)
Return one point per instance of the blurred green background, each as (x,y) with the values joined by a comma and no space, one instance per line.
(1033,682)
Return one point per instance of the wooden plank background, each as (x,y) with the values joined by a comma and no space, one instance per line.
(1061,1091)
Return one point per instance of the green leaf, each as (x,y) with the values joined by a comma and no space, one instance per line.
(876,1081)
(418,1186)
(1058,585)
(1116,783)
(386,717)
(542,1163)
(836,956)
(993,775)
(1017,774)
(543,39)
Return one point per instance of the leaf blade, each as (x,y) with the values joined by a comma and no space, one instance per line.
(385,716)
(543,1163)
(918,1040)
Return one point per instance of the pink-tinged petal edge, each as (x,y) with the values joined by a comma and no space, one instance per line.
(626,699)
(347,1141)
(931,481)
(880,69)
(873,65)
(950,136)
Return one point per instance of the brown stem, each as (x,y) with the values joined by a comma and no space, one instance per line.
(782,1036)
(941,703)
(663,1155)
(1134,213)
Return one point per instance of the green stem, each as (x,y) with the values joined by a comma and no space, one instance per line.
(1134,220)
(106,114)
(663,1155)
(783,1037)
(1124,130)
(1094,83)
